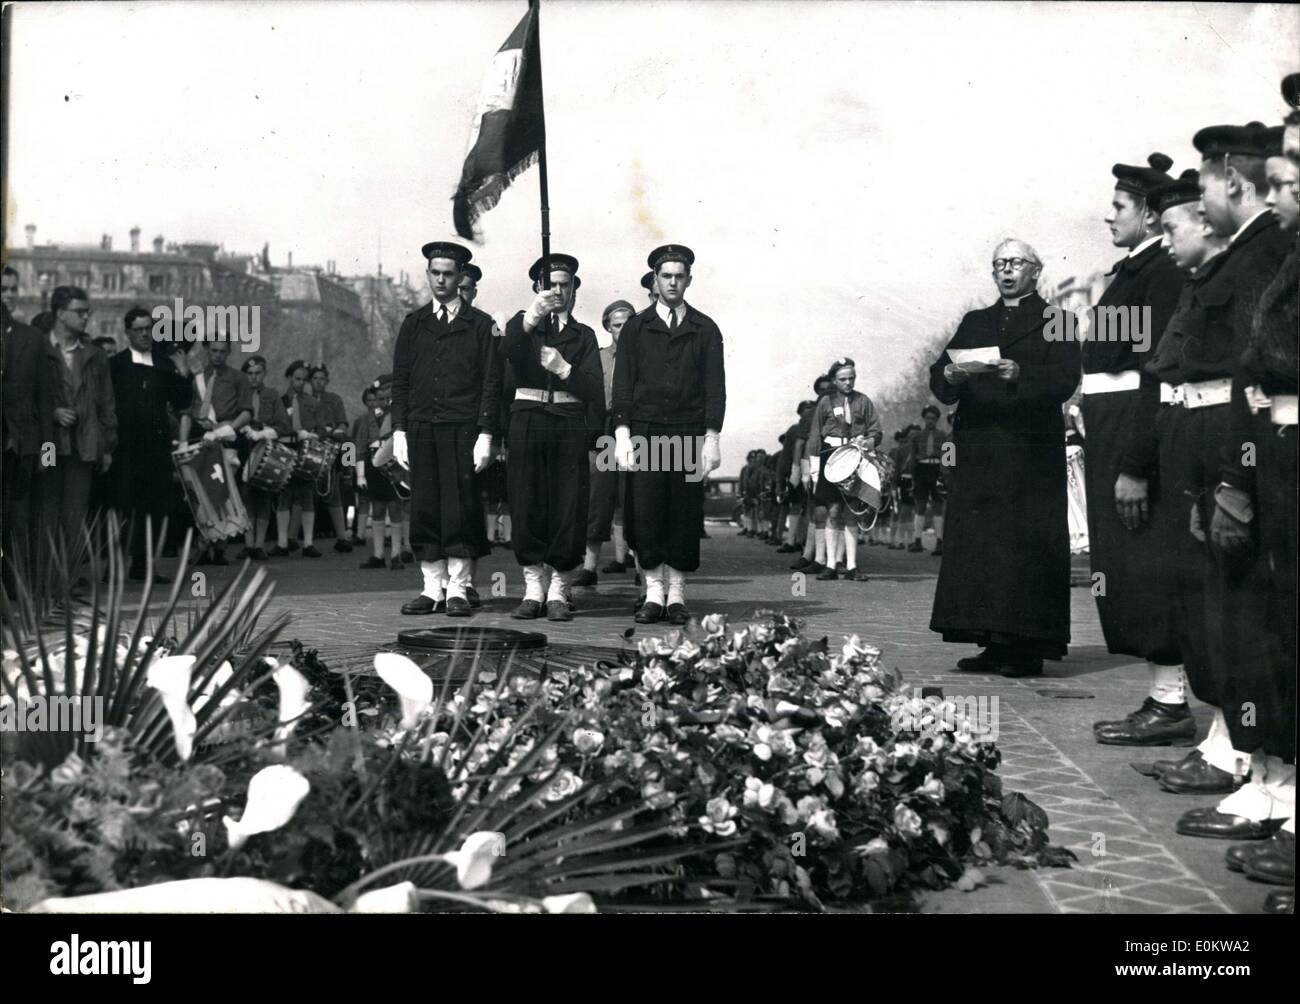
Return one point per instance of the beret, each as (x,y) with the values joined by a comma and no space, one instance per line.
(1175,192)
(616,305)
(1140,180)
(670,252)
(474,272)
(448,249)
(1249,140)
(553,263)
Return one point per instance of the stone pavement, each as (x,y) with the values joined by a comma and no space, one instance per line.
(1117,822)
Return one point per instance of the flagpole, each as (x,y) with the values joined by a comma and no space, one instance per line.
(541,154)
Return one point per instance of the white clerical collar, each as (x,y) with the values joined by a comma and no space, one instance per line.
(1014,301)
(1242,228)
(141,358)
(665,314)
(1144,245)
(604,339)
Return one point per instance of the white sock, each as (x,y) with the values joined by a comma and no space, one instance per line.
(435,578)
(654,584)
(458,573)
(490,526)
(535,583)
(820,534)
(1270,793)
(851,549)
(1217,748)
(676,585)
(938,527)
(473,571)
(505,528)
(833,538)
(1168,684)
(591,557)
(556,591)
(620,543)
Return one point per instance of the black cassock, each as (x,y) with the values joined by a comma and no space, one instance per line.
(1005,577)
(141,474)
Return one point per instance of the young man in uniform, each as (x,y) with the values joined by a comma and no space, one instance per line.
(269,422)
(555,368)
(446,384)
(841,417)
(1133,524)
(813,559)
(334,427)
(670,382)
(924,461)
(297,502)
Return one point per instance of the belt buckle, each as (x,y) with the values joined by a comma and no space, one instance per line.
(546,397)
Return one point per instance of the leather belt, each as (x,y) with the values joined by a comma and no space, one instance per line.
(1283,409)
(546,396)
(929,460)
(1110,383)
(1206,394)
(833,440)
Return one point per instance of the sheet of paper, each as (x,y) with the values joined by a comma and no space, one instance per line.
(983,354)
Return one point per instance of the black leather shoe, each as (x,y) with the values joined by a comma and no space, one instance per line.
(526,611)
(424,605)
(1281,843)
(458,606)
(373,562)
(614,568)
(1158,767)
(1153,724)
(827,575)
(310,551)
(1280,901)
(1222,826)
(1275,864)
(787,549)
(640,602)
(471,594)
(938,549)
(585,577)
(990,660)
(802,565)
(1021,668)
(558,610)
(1199,778)
(257,554)
(678,614)
(650,613)
(342,546)
(916,547)
(408,557)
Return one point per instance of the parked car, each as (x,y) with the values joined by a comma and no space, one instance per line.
(722,499)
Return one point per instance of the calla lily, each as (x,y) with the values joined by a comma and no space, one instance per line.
(414,688)
(170,676)
(473,862)
(274,794)
(577,902)
(219,678)
(400,898)
(293,699)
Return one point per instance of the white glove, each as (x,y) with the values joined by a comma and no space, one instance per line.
(361,474)
(482,452)
(624,456)
(307,434)
(269,433)
(546,301)
(711,455)
(553,362)
(400,453)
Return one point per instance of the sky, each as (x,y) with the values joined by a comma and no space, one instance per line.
(841,170)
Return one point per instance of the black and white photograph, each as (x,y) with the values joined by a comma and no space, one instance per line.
(903,520)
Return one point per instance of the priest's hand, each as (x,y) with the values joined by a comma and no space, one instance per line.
(1131,501)
(66,417)
(711,454)
(624,456)
(1008,370)
(954,374)
(399,449)
(553,362)
(482,452)
(1195,524)
(1229,535)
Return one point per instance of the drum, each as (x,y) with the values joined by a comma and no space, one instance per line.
(864,478)
(270,467)
(385,463)
(209,475)
(315,459)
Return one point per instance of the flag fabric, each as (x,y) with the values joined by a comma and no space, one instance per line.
(509,127)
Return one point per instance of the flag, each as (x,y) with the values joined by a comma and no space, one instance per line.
(509,127)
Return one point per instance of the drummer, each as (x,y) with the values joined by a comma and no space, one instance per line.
(270,422)
(841,417)
(373,429)
(298,497)
(223,404)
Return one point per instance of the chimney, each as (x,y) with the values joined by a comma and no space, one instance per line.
(31,236)
(135,240)
(158,244)
(291,259)
(106,243)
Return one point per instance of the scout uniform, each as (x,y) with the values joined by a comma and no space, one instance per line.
(1119,409)
(221,395)
(923,460)
(334,427)
(446,384)
(670,382)
(268,413)
(303,413)
(549,479)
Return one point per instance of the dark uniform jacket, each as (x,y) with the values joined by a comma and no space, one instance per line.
(924,446)
(332,413)
(308,413)
(447,377)
(28,403)
(577,344)
(229,393)
(670,379)
(145,398)
(269,412)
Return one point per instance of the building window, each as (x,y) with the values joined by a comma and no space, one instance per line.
(50,278)
(79,279)
(157,283)
(106,327)
(111,281)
